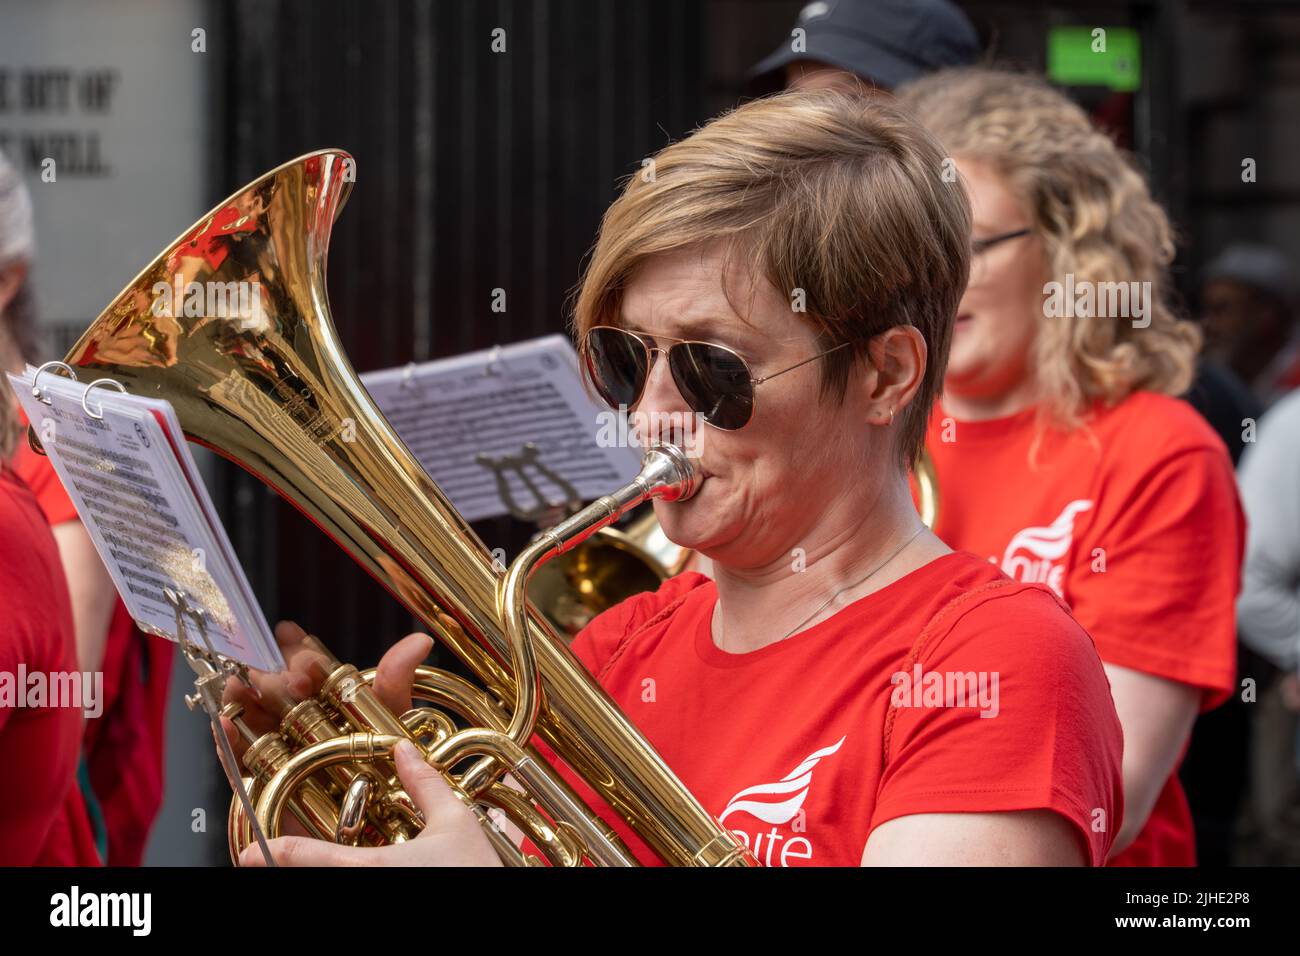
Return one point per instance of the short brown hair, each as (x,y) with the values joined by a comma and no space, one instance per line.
(838,195)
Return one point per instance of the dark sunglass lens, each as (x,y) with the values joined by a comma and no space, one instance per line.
(714,382)
(617,363)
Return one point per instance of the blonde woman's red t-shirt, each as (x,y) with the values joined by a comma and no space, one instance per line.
(1134,522)
(805,746)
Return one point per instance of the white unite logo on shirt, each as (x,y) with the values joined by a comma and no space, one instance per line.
(778,804)
(1034,554)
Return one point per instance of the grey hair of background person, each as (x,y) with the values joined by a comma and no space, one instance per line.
(21,337)
(17,235)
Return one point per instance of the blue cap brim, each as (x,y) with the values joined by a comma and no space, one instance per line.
(867,60)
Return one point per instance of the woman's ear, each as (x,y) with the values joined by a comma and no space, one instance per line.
(12,277)
(898,356)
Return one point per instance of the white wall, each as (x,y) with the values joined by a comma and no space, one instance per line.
(96,228)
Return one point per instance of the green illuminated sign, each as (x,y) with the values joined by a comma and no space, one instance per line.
(1095,56)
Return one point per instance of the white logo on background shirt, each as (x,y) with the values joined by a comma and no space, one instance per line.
(1033,553)
(778,804)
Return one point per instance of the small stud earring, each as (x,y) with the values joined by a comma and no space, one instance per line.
(891,416)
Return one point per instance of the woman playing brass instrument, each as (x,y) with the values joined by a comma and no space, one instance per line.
(778,297)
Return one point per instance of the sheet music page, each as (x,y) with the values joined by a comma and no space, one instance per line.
(190,471)
(449,410)
(144,516)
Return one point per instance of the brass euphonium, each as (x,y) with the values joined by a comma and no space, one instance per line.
(265,384)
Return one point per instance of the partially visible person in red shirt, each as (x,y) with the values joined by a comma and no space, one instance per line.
(847,690)
(136,668)
(137,676)
(43,819)
(1060,455)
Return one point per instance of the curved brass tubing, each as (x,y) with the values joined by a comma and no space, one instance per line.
(294,781)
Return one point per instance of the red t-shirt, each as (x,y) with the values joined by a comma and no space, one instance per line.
(798,747)
(43,820)
(1134,521)
(137,674)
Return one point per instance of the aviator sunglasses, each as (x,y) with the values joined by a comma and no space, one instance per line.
(714,380)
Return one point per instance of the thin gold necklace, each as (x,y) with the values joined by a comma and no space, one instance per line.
(827,603)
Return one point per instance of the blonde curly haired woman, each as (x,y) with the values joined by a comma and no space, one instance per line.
(1059,450)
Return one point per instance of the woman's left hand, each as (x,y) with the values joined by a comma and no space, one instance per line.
(452,835)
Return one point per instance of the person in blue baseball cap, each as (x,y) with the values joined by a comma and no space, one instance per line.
(868,44)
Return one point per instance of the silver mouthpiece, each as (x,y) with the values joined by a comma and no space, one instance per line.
(668,473)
